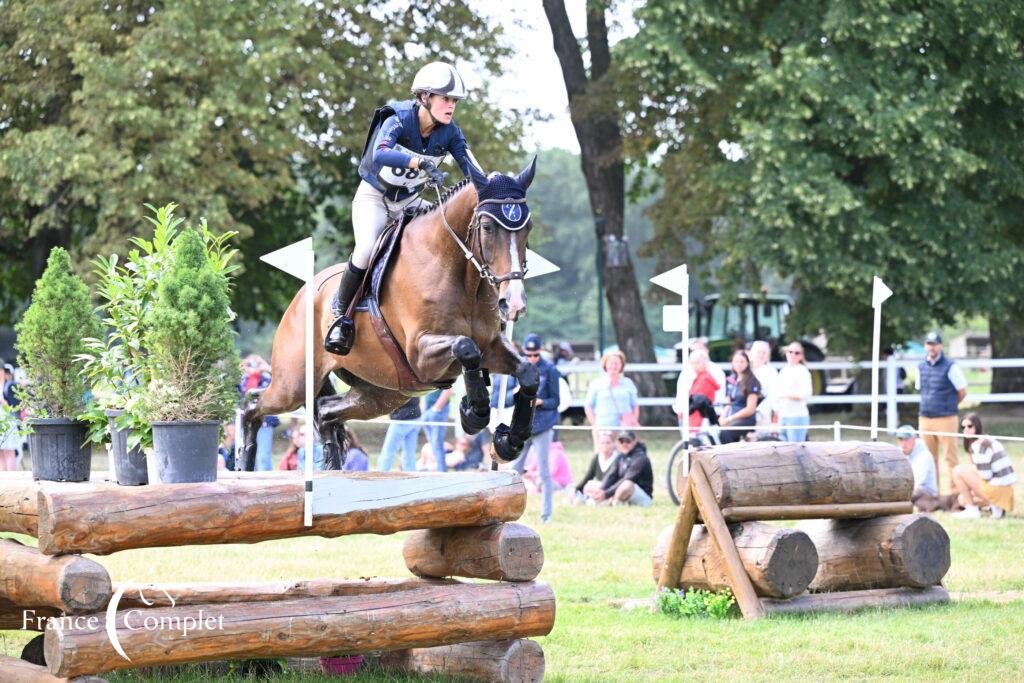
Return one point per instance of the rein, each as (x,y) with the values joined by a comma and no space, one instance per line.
(474,228)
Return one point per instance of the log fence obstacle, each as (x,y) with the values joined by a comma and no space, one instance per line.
(461,524)
(861,546)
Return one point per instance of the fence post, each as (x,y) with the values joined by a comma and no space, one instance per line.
(836,431)
(891,381)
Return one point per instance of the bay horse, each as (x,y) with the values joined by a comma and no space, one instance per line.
(457,274)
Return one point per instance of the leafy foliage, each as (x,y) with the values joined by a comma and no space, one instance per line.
(50,340)
(191,357)
(830,142)
(696,603)
(254,110)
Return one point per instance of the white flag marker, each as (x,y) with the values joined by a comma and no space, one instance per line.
(879,293)
(677,319)
(297,260)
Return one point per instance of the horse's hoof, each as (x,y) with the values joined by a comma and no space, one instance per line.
(472,422)
(505,449)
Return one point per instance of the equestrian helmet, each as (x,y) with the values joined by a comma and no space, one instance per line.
(439,78)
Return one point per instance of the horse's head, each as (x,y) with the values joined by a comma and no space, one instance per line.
(502,223)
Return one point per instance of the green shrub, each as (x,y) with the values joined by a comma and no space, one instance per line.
(192,362)
(50,340)
(696,603)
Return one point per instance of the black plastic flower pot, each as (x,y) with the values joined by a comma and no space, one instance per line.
(60,451)
(186,451)
(129,466)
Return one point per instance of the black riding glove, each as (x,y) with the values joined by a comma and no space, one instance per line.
(435,175)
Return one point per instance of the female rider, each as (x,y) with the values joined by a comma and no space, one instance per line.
(406,143)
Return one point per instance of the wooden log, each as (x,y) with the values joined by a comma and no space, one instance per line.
(425,617)
(70,583)
(884,552)
(780,562)
(502,552)
(739,582)
(19,671)
(773,473)
(19,503)
(679,542)
(840,511)
(104,518)
(850,601)
(21,618)
(496,661)
(170,594)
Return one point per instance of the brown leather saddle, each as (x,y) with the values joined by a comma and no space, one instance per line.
(368,298)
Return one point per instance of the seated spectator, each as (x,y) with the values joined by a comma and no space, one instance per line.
(295,457)
(226,450)
(427,462)
(558,466)
(989,481)
(599,467)
(474,455)
(926,487)
(744,392)
(290,461)
(631,481)
(356,459)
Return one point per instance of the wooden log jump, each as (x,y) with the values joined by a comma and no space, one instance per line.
(850,601)
(105,518)
(429,616)
(767,473)
(884,552)
(503,552)
(73,584)
(24,618)
(780,562)
(18,503)
(500,661)
(19,671)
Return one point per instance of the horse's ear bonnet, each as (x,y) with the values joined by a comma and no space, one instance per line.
(503,198)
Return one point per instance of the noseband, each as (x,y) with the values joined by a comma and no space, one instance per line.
(474,236)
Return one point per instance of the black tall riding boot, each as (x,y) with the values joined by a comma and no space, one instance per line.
(342,331)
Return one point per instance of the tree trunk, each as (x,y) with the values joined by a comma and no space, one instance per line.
(851,601)
(74,584)
(1007,336)
(501,552)
(497,661)
(595,117)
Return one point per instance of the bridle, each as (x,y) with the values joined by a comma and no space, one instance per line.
(473,237)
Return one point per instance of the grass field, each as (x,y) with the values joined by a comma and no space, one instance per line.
(597,556)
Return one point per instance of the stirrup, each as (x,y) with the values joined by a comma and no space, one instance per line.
(343,331)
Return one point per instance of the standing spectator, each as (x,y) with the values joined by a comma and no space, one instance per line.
(355,457)
(926,487)
(226,450)
(631,480)
(760,357)
(612,399)
(701,344)
(290,461)
(403,433)
(11,441)
(318,451)
(943,387)
(744,392)
(793,387)
(562,355)
(599,467)
(257,376)
(989,483)
(702,383)
(545,417)
(435,409)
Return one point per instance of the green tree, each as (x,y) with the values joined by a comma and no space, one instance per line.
(830,142)
(252,113)
(50,340)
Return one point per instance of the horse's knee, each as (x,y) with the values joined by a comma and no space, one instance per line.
(529,378)
(467,353)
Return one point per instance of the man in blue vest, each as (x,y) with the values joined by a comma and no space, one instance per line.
(545,418)
(943,387)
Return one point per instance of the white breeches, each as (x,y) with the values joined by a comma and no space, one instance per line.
(369,216)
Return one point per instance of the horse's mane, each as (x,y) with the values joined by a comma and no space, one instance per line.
(445,196)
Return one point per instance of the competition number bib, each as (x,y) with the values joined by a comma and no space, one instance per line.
(409,178)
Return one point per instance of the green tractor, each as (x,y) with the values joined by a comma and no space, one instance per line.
(748,318)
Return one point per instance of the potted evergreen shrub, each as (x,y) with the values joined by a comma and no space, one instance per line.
(192,363)
(49,341)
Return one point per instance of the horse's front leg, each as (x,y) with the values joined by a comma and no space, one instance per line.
(509,439)
(435,355)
